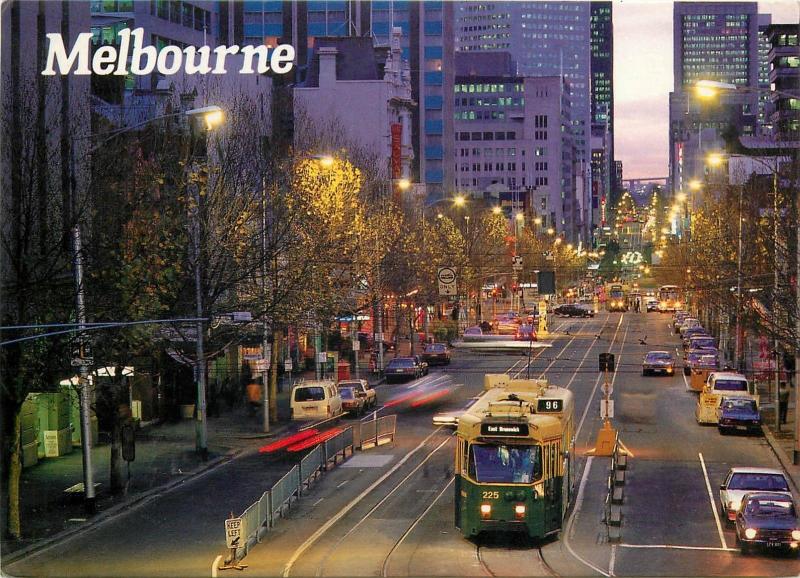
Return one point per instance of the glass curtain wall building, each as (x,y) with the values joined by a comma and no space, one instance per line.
(427,43)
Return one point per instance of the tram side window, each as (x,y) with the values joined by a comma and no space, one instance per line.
(464,458)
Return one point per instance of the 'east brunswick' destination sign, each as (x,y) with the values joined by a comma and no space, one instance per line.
(504,429)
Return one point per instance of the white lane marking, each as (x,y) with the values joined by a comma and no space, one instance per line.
(676,547)
(343,483)
(578,502)
(585,355)
(215,566)
(600,377)
(414,525)
(563,349)
(688,387)
(713,504)
(317,502)
(612,560)
(353,503)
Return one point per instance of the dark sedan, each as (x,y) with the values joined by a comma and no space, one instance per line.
(436,353)
(738,413)
(571,310)
(658,362)
(403,368)
(768,521)
(700,359)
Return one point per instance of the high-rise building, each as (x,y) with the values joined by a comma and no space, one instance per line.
(544,39)
(784,77)
(510,138)
(764,47)
(602,107)
(427,43)
(712,41)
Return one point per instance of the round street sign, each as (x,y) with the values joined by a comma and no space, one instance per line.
(607,389)
(446,275)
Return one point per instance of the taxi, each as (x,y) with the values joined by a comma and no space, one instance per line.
(721,384)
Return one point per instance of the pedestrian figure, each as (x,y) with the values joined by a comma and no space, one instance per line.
(254,397)
(783,401)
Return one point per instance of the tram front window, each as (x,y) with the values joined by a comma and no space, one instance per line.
(504,464)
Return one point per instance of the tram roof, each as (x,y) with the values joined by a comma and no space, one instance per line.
(508,400)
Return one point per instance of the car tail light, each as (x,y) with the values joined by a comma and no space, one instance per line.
(519,511)
(486,510)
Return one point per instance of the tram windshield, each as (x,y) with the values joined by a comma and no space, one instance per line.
(500,463)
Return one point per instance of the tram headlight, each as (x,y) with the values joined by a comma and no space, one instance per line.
(486,510)
(519,511)
(750,533)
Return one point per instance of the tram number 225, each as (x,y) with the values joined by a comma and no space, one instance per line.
(491,495)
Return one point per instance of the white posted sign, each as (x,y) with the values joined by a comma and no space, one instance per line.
(233,532)
(447,280)
(606,408)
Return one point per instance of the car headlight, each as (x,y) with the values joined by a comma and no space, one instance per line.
(732,505)
(795,534)
(750,533)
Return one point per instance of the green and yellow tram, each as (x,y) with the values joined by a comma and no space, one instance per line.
(513,458)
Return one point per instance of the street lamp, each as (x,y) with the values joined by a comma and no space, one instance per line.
(213,115)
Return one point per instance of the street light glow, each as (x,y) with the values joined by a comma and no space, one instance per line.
(326,161)
(519,217)
(551,231)
(403,184)
(497,209)
(459,200)
(715,159)
(537,221)
(681,197)
(695,184)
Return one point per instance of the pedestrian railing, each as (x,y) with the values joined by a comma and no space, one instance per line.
(262,515)
(372,431)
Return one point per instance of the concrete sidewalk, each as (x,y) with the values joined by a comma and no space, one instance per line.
(165,457)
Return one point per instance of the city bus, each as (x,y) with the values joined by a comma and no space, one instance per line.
(616,300)
(513,462)
(669,298)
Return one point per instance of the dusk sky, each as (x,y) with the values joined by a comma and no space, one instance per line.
(643,80)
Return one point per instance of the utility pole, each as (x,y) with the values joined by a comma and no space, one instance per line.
(775,285)
(84,389)
(265,325)
(738,338)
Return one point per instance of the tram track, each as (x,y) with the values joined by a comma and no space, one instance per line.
(510,559)
(407,481)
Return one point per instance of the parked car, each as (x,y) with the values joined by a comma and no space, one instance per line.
(698,341)
(738,413)
(719,385)
(402,368)
(362,389)
(572,310)
(474,331)
(315,400)
(740,481)
(689,323)
(436,353)
(767,520)
(658,362)
(351,402)
(700,359)
(678,318)
(693,332)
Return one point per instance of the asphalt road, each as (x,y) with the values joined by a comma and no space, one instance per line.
(388,511)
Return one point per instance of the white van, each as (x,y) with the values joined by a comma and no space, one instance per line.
(315,400)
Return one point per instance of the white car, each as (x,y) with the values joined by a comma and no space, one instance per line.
(741,481)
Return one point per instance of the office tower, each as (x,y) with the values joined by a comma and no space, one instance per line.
(784,77)
(509,138)
(602,107)
(427,43)
(544,39)
(712,41)
(764,47)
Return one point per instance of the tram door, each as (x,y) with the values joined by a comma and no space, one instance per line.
(552,486)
